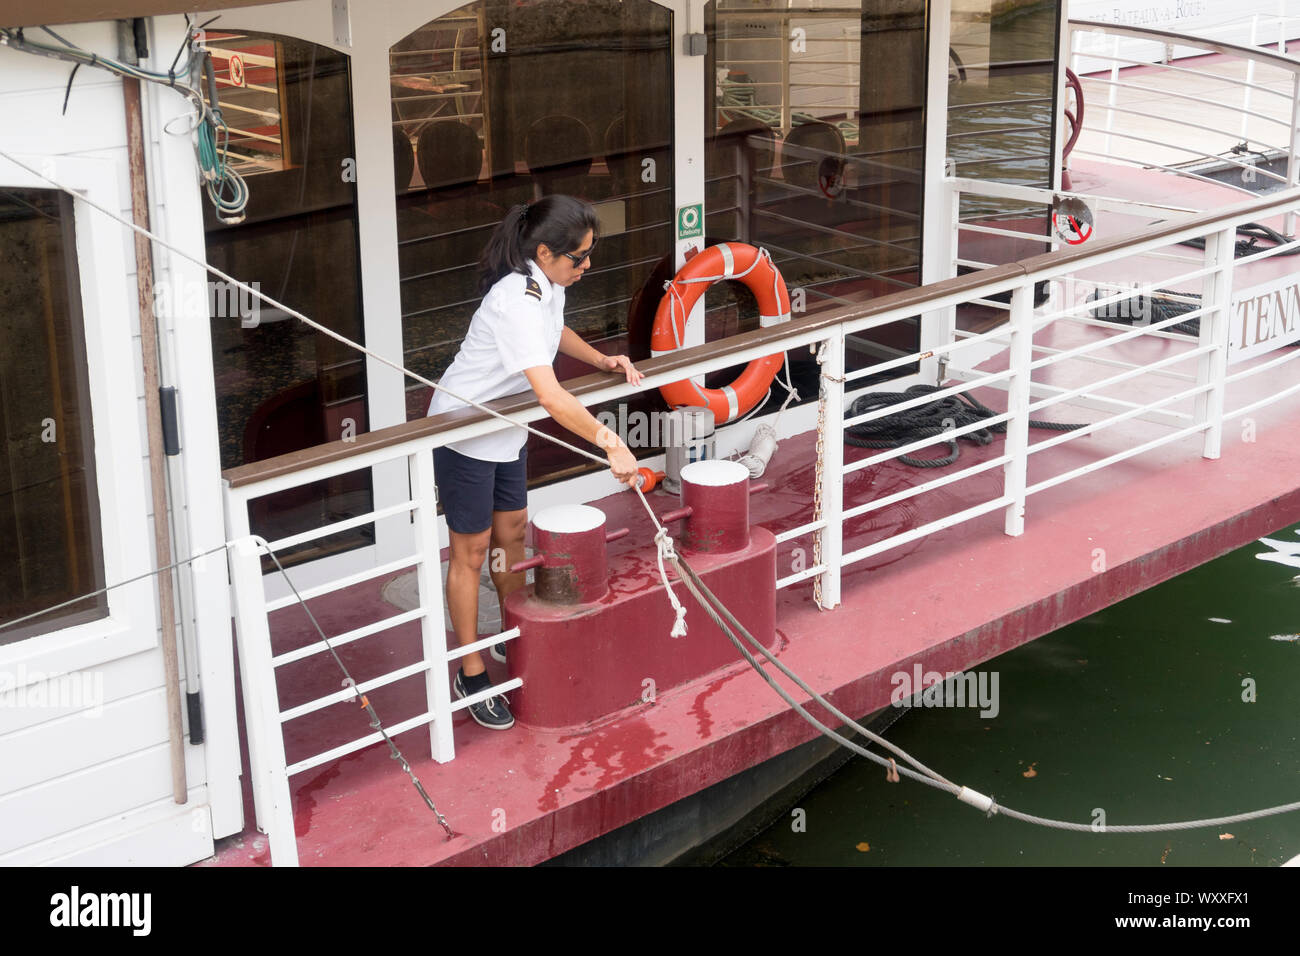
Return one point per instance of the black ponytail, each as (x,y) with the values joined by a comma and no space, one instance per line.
(558,222)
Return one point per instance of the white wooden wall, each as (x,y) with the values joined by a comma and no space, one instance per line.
(84,764)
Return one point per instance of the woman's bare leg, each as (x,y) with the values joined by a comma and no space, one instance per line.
(508,529)
(463,570)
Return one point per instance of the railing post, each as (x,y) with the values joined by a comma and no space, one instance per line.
(1250,77)
(1112,96)
(433,632)
(828,546)
(272,802)
(1020,354)
(1216,298)
(1292,162)
(939,327)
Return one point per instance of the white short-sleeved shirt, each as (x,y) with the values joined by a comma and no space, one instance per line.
(517,326)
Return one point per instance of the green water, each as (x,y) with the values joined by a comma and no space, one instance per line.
(1137,711)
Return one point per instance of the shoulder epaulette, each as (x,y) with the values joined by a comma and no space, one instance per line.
(532,288)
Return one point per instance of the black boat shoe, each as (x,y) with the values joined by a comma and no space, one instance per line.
(492,713)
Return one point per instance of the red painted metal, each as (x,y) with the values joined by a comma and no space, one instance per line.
(1154,517)
(573,569)
(591,644)
(719,518)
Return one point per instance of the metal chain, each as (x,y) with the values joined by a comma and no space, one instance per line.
(822,378)
(817,472)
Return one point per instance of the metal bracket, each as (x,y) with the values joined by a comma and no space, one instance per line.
(342,23)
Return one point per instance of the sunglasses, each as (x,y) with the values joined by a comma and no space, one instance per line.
(578,260)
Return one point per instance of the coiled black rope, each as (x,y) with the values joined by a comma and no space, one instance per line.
(1249,235)
(1146,310)
(927,421)
(1252,238)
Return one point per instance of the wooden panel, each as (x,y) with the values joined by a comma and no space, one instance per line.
(161,834)
(121,678)
(107,790)
(102,732)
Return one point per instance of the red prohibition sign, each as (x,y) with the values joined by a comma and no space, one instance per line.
(236,70)
(1083,231)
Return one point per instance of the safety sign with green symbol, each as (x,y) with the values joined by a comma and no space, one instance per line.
(690,221)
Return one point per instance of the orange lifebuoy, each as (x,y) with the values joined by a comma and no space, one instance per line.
(727,260)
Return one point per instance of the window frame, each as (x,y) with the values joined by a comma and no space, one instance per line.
(108,306)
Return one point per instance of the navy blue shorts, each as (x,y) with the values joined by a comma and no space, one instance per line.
(471,489)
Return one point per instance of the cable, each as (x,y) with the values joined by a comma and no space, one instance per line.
(276,304)
(104,590)
(350,681)
(1146,309)
(226,188)
(707,600)
(713,606)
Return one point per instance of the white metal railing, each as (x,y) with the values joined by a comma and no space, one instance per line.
(258,666)
(1205,385)
(1157,118)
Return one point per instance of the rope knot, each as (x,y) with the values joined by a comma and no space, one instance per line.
(665,551)
(665,545)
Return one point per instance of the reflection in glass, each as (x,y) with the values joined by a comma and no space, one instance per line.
(1001,109)
(498,103)
(49,507)
(814,150)
(280,385)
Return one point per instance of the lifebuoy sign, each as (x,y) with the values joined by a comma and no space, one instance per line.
(1263,318)
(690,221)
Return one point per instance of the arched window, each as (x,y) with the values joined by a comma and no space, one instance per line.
(280,385)
(498,103)
(814,139)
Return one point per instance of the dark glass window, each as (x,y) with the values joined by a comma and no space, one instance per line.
(1001,70)
(814,135)
(498,103)
(282,386)
(49,509)
(1001,110)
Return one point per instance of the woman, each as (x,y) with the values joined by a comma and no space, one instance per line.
(535,253)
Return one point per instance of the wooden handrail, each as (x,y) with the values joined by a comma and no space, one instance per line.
(906,300)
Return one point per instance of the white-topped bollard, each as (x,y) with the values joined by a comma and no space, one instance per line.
(569,541)
(717,494)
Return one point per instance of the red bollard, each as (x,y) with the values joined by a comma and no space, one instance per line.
(570,559)
(717,494)
(587,646)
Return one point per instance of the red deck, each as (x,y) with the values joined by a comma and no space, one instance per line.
(949,602)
